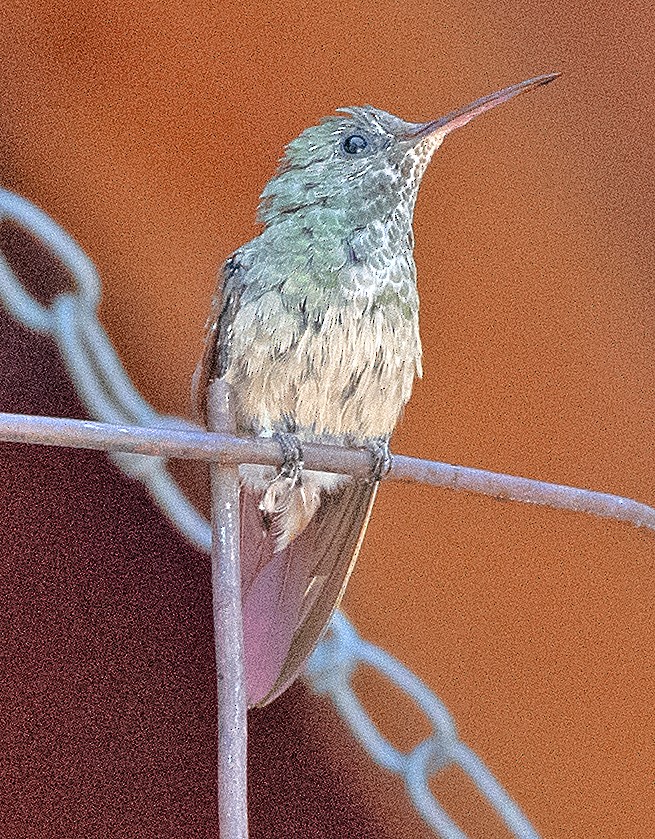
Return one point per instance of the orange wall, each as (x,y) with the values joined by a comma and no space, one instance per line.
(149,133)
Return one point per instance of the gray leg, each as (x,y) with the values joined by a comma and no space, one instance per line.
(382,458)
(292,454)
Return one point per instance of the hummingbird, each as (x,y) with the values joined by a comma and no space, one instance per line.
(314,326)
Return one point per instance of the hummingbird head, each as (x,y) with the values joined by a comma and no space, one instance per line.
(366,163)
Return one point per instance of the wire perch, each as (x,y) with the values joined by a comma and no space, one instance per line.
(228,450)
(228,629)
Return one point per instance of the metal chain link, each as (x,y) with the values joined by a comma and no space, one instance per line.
(108,394)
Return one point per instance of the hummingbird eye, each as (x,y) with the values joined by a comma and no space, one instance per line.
(354,144)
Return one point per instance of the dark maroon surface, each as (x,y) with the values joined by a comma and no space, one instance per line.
(107,700)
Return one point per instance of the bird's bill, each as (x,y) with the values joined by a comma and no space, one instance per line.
(456,119)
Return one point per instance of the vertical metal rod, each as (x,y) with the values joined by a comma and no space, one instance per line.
(228,628)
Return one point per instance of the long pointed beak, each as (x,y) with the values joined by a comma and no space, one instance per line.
(458,118)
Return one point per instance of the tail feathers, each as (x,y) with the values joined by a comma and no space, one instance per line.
(287,507)
(290,592)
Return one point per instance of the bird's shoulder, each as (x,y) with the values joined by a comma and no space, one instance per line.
(218,331)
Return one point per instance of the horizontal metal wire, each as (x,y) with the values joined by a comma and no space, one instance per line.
(167,442)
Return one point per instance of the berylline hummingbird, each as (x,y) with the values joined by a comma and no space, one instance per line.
(314,325)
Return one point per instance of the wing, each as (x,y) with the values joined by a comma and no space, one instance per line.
(218,334)
(288,597)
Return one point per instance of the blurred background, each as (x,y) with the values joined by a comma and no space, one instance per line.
(148,132)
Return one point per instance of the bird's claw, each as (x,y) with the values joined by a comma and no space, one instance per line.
(293,456)
(382,459)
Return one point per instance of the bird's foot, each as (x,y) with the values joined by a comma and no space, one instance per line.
(382,458)
(293,456)
(287,504)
